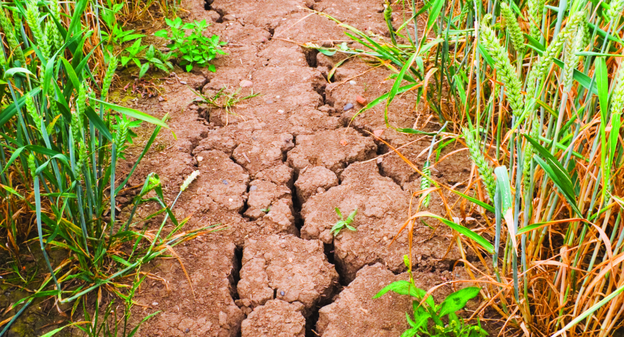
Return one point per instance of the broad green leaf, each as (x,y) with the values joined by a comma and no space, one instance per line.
(434,12)
(81,5)
(457,300)
(421,316)
(338,212)
(13,71)
(475,201)
(486,55)
(410,332)
(132,113)
(397,82)
(351,216)
(403,287)
(602,83)
(504,188)
(557,174)
(72,77)
(99,124)
(12,191)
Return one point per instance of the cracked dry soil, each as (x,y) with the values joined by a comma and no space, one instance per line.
(273,174)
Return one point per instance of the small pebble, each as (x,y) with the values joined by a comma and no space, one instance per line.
(352,82)
(278,96)
(246,83)
(154,303)
(253,188)
(187,330)
(269,102)
(200,158)
(348,106)
(282,293)
(280,111)
(361,100)
(231,199)
(225,182)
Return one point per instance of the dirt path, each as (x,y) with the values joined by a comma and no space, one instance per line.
(274,174)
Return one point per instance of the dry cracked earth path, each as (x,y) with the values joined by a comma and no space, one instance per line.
(273,174)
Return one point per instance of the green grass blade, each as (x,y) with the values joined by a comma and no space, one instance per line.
(485,244)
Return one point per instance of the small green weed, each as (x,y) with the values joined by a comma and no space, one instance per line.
(342,223)
(193,48)
(144,61)
(225,99)
(425,309)
(116,36)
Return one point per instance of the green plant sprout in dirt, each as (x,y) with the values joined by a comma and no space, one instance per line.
(342,223)
(144,60)
(190,45)
(225,99)
(136,53)
(427,318)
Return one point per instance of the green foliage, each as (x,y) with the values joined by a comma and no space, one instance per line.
(60,146)
(116,36)
(190,45)
(425,310)
(342,223)
(144,57)
(549,116)
(106,323)
(144,60)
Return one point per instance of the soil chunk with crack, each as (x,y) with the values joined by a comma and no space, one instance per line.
(287,268)
(262,194)
(382,208)
(265,149)
(222,180)
(275,319)
(314,180)
(333,149)
(211,276)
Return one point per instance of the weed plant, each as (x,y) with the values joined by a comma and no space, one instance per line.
(431,319)
(190,45)
(343,223)
(538,88)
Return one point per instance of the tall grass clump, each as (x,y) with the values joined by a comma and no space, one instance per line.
(538,88)
(60,145)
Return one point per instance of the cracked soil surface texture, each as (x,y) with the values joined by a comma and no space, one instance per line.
(274,168)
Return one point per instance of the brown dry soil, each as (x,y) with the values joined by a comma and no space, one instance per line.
(274,170)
